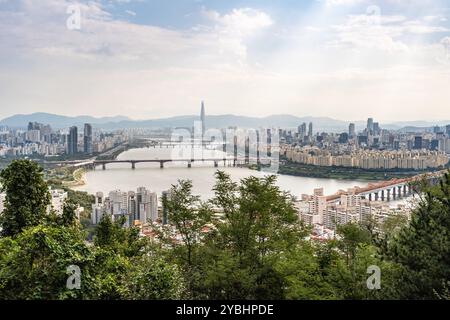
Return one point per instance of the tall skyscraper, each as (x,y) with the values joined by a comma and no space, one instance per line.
(132,207)
(418,141)
(370,125)
(202,118)
(376,128)
(351,130)
(447,130)
(72,141)
(310,130)
(88,149)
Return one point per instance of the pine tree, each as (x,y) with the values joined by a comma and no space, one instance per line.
(422,249)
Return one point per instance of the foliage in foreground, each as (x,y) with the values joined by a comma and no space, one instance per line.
(255,248)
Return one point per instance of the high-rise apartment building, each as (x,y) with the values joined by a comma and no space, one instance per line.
(310,130)
(137,207)
(147,205)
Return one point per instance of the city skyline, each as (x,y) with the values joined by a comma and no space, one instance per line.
(318,58)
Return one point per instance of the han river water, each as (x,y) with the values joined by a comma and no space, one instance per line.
(150,175)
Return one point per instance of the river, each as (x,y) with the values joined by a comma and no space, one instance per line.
(149,175)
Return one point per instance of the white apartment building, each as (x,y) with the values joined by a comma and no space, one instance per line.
(373,159)
(139,207)
(315,210)
(58,198)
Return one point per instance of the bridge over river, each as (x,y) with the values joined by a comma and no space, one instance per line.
(392,189)
(233,161)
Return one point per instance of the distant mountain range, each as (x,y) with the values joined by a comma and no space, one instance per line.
(56,121)
(213,121)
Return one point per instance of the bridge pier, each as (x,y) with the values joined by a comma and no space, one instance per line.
(133,165)
(376,196)
(382,195)
(189,164)
(388,195)
(104,166)
(161,164)
(370,197)
(216,164)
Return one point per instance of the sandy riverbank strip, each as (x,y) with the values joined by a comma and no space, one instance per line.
(79,177)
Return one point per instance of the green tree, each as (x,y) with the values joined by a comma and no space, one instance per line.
(258,226)
(27,196)
(305,279)
(69,216)
(153,278)
(189,216)
(112,235)
(33,265)
(422,248)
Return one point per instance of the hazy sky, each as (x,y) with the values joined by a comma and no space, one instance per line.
(346,59)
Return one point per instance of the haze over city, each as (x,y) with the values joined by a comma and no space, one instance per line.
(343,59)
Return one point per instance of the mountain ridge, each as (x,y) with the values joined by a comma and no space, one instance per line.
(214,121)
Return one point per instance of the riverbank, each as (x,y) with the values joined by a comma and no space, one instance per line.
(79,177)
(67,176)
(342,173)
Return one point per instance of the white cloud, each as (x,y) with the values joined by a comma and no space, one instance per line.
(232,29)
(242,22)
(332,3)
(241,61)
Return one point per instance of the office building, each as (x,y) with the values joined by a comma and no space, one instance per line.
(351,130)
(370,125)
(88,147)
(418,142)
(376,128)
(72,141)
